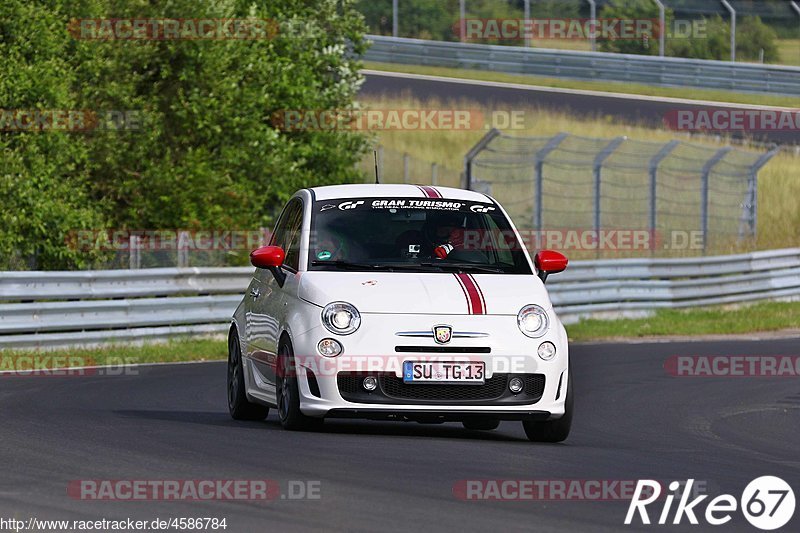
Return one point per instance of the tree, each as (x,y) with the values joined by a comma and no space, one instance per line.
(206,153)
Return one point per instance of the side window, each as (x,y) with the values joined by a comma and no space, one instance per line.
(288,232)
(293,234)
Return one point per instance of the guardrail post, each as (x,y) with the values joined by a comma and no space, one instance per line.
(707,168)
(539,158)
(653,168)
(405,167)
(473,153)
(750,206)
(598,168)
(593,23)
(434,174)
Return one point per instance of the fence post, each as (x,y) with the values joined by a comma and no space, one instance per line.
(662,22)
(395,17)
(183,251)
(750,206)
(405,167)
(732,11)
(381,168)
(538,160)
(473,153)
(657,159)
(526,15)
(434,174)
(134,253)
(598,171)
(462,15)
(707,168)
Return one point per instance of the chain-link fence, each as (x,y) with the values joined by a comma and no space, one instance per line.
(607,197)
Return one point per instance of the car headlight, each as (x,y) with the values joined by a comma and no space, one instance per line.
(532,320)
(341,318)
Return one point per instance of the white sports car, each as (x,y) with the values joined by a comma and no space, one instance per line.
(400,302)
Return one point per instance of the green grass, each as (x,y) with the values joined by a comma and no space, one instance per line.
(200,349)
(789,49)
(623,88)
(723,320)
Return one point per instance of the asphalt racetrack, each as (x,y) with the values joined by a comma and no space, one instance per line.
(645,110)
(633,421)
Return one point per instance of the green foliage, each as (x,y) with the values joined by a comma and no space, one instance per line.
(633,10)
(753,36)
(712,42)
(205,153)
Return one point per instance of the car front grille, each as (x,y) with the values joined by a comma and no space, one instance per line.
(392,389)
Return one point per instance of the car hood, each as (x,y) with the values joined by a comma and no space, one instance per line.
(425,293)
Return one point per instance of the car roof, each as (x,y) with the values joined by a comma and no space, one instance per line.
(386,190)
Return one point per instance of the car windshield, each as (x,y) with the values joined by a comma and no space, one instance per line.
(413,235)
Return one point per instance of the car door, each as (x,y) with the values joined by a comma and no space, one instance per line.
(270,301)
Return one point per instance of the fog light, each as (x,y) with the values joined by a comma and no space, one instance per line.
(370,383)
(515,385)
(329,347)
(547,350)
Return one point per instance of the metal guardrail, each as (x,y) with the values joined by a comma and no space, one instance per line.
(57,309)
(598,66)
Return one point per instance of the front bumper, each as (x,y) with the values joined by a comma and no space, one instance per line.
(376,350)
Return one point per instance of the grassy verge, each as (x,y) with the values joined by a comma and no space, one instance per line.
(723,320)
(201,349)
(789,50)
(623,88)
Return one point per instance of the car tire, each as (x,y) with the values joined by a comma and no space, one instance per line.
(288,394)
(483,424)
(238,404)
(553,430)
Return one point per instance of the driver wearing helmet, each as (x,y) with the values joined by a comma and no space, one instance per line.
(444,232)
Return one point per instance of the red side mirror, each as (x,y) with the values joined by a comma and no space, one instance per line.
(267,257)
(549,262)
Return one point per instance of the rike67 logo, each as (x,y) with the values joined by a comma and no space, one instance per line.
(767,503)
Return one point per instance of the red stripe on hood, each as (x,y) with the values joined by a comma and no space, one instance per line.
(475,302)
